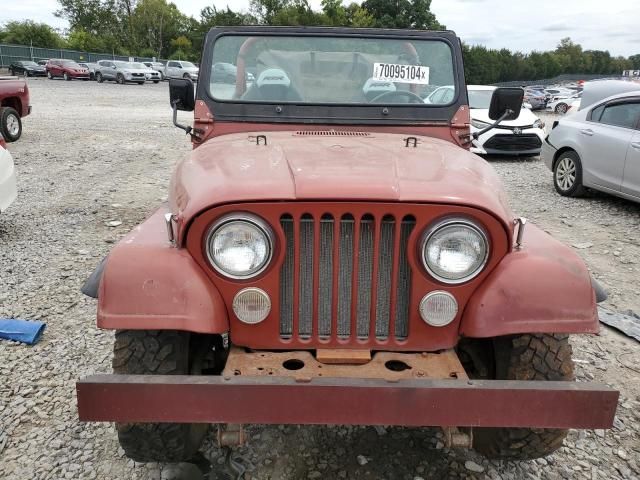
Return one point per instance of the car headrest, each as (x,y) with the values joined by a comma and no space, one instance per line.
(273,77)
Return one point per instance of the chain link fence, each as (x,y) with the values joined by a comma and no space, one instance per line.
(13,53)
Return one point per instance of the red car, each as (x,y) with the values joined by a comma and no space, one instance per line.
(332,253)
(14,104)
(67,69)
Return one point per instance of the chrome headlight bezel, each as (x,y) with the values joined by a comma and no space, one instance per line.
(254,222)
(446,223)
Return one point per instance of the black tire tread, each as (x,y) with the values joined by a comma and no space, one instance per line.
(147,352)
(4,113)
(578,188)
(527,357)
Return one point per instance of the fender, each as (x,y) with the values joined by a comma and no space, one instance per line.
(542,288)
(147,284)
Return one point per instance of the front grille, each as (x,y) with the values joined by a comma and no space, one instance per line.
(512,143)
(338,277)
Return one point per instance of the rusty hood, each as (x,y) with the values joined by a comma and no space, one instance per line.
(378,167)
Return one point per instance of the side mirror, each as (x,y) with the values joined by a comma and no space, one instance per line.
(506,102)
(181,94)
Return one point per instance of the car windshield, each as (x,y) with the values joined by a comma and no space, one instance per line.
(480,99)
(68,63)
(29,64)
(333,70)
(136,65)
(120,64)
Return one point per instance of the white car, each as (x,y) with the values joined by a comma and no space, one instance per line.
(564,104)
(599,145)
(181,69)
(8,189)
(522,136)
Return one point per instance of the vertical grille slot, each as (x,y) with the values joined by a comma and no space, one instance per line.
(385,270)
(305,277)
(365,272)
(403,285)
(286,279)
(325,287)
(345,275)
(358,297)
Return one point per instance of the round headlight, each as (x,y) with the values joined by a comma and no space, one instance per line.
(455,250)
(240,246)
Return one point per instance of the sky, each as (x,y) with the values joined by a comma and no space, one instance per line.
(518,25)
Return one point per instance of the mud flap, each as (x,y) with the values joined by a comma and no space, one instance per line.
(92,284)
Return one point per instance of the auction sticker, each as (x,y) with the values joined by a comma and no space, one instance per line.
(389,72)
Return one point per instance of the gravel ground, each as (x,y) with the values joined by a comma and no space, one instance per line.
(95,154)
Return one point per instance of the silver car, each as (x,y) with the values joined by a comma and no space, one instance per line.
(181,69)
(598,147)
(120,72)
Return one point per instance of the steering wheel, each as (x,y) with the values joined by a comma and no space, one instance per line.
(413,98)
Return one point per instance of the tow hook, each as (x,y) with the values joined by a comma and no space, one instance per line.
(231,435)
(455,438)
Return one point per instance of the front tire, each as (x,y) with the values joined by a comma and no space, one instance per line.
(99,77)
(157,352)
(49,76)
(527,357)
(66,76)
(10,124)
(567,174)
(562,108)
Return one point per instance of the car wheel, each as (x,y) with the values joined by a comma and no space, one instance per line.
(120,79)
(140,83)
(10,124)
(156,81)
(537,357)
(160,352)
(99,78)
(567,174)
(562,108)
(186,76)
(49,76)
(66,76)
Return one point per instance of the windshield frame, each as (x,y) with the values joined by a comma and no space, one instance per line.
(323,113)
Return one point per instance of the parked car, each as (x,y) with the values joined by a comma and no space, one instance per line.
(555,93)
(328,259)
(535,98)
(67,69)
(121,72)
(27,68)
(92,69)
(150,74)
(598,147)
(563,105)
(157,66)
(522,136)
(227,73)
(43,62)
(8,189)
(181,69)
(14,105)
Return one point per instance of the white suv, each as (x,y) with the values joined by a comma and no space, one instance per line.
(181,69)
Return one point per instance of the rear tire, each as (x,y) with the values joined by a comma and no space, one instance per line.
(99,78)
(562,108)
(120,79)
(157,352)
(49,76)
(527,357)
(10,124)
(567,175)
(66,76)
(186,76)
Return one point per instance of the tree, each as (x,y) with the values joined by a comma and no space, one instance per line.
(156,23)
(29,32)
(79,39)
(403,14)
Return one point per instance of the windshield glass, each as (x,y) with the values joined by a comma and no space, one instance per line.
(331,70)
(69,63)
(480,98)
(136,65)
(29,64)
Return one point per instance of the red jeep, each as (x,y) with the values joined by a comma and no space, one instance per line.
(14,104)
(332,254)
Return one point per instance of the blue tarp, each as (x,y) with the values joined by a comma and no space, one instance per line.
(25,331)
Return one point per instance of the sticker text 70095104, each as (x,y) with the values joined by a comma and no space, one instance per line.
(401,73)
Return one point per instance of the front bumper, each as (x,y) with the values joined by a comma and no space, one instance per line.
(8,187)
(548,154)
(482,145)
(345,401)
